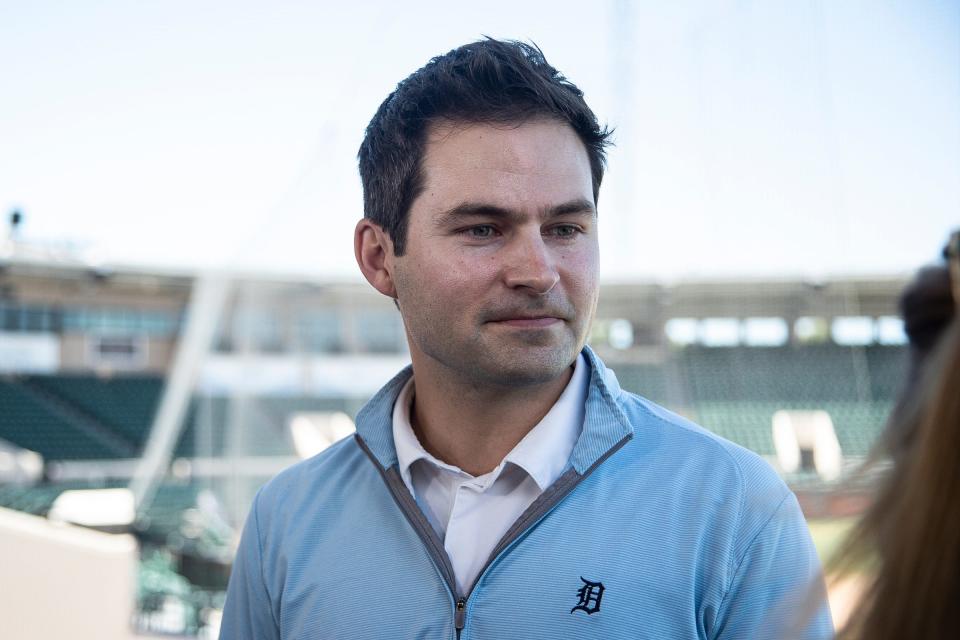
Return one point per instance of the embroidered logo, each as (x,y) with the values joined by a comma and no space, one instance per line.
(590,595)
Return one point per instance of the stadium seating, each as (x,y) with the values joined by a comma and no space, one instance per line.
(734,391)
(646,380)
(888,368)
(31,423)
(125,404)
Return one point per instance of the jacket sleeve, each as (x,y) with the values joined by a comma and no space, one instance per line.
(248,612)
(777,588)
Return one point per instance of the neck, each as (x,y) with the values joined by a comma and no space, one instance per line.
(474,427)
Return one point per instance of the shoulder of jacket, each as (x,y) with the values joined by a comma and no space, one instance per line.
(755,475)
(310,475)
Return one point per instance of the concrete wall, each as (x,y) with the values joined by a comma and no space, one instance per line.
(63,581)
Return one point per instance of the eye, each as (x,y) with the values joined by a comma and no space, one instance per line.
(480,231)
(565,230)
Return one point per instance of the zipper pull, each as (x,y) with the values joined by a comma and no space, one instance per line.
(460,616)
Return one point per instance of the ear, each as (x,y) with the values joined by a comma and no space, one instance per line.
(374,251)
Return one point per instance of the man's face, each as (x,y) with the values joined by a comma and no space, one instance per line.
(498,284)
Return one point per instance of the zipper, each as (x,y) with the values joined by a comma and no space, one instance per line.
(428,535)
(460,616)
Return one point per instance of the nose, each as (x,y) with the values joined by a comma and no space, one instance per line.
(530,264)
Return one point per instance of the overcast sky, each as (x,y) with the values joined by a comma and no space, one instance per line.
(754,139)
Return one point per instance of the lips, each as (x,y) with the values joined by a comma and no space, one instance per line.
(527,318)
(538,316)
(530,323)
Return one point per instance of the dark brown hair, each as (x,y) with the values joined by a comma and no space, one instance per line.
(489,81)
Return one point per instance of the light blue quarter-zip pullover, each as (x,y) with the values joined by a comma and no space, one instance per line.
(658,529)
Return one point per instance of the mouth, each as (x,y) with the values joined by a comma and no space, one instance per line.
(535,322)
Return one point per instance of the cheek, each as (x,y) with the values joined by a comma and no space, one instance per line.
(464,269)
(582,269)
(446,284)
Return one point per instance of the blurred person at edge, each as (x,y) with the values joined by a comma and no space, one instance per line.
(504,486)
(909,538)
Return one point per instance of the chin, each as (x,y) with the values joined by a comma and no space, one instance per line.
(525,370)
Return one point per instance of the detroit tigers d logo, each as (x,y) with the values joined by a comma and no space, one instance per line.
(589,596)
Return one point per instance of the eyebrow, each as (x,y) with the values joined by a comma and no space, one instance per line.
(579,206)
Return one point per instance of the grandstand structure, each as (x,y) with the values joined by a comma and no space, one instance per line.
(85,355)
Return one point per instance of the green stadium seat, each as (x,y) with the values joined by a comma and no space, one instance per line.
(28,422)
(124,404)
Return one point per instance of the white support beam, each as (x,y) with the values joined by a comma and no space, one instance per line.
(206,307)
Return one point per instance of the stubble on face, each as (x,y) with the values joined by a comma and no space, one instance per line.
(460,298)
(479,354)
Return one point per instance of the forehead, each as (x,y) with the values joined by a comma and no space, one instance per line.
(535,163)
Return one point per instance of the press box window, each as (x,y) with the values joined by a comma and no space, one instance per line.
(853,331)
(681,331)
(765,332)
(719,332)
(122,352)
(890,331)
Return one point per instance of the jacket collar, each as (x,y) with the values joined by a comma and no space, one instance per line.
(604,424)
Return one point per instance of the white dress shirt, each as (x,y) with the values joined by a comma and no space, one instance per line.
(470,513)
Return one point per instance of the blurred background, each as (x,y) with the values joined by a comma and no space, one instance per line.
(181,316)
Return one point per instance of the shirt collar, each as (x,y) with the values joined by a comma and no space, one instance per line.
(544,451)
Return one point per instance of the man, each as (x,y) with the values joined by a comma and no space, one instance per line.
(505,486)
